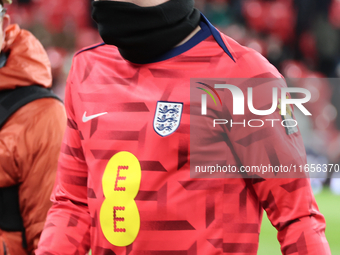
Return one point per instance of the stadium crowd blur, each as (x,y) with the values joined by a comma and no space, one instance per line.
(300,37)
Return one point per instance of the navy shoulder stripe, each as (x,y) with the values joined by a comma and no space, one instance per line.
(89,48)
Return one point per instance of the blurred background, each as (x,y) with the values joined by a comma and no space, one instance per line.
(300,37)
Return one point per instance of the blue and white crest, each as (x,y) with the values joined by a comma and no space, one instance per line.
(167,117)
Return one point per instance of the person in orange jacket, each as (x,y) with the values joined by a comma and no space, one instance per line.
(30,139)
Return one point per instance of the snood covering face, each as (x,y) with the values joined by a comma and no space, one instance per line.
(144,33)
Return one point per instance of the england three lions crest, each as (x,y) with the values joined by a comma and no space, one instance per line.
(167,117)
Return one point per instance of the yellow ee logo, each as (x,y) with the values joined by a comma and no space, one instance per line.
(119,215)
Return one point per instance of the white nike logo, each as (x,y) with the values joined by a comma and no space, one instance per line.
(87,118)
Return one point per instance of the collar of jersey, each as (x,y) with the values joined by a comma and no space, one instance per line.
(207,29)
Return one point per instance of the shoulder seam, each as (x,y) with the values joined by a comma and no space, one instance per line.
(89,48)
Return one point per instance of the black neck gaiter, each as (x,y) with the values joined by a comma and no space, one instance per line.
(144,33)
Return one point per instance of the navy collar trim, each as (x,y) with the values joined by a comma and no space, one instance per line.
(89,48)
(217,35)
(207,29)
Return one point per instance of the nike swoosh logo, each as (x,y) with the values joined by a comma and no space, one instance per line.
(87,118)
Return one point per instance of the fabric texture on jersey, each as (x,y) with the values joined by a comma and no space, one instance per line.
(178,215)
(29,140)
(143,33)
